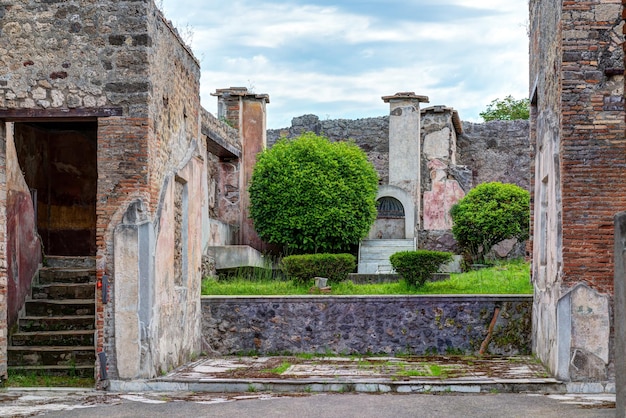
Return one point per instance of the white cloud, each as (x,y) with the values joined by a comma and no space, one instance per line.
(356,58)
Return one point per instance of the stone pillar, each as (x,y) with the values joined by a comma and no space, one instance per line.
(246,111)
(404,144)
(134,248)
(620,314)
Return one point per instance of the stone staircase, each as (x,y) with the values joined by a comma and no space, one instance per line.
(374,254)
(56,328)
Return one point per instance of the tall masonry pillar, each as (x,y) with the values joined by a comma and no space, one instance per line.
(404,145)
(246,111)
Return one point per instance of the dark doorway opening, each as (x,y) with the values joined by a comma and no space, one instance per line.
(59,163)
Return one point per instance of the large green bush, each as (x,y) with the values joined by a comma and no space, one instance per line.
(311,195)
(416,267)
(488,214)
(335,267)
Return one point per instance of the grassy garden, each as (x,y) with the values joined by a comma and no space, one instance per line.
(511,277)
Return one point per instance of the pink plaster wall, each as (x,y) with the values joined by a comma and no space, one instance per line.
(445,193)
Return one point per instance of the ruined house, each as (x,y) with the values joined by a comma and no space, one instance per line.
(114,184)
(427,159)
(577,134)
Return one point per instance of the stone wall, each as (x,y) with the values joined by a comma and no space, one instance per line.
(370,134)
(366,324)
(496,151)
(493,151)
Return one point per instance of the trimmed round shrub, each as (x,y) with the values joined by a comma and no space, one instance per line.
(417,267)
(311,195)
(488,214)
(334,267)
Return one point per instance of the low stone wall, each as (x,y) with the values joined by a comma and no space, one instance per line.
(367,324)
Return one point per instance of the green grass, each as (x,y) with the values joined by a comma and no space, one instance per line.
(32,379)
(512,277)
(279,369)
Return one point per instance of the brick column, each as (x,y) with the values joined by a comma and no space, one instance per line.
(246,112)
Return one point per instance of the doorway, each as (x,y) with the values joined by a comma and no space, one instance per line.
(59,164)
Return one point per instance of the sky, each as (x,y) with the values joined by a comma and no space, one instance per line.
(336,59)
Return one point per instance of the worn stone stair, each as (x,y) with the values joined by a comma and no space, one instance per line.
(56,333)
(374,254)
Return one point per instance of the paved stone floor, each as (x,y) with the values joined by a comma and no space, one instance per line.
(230,379)
(356,374)
(92,404)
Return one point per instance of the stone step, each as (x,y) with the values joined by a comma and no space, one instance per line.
(377,253)
(48,275)
(60,307)
(57,323)
(404,243)
(51,356)
(57,261)
(82,370)
(64,291)
(53,338)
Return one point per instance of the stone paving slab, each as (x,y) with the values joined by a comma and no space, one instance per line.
(356,374)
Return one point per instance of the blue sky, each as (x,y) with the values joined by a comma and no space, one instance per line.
(336,59)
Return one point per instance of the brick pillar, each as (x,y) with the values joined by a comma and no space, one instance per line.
(246,112)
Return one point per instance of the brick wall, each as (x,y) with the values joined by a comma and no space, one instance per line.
(578,142)
(592,142)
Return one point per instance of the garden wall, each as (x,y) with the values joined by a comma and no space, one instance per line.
(366,324)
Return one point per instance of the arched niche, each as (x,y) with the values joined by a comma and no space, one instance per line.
(397,207)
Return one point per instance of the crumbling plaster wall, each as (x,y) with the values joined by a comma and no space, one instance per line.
(577,139)
(166,308)
(122,63)
(24,244)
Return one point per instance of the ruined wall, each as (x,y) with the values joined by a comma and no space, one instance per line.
(23,243)
(246,112)
(367,324)
(578,144)
(370,134)
(223,145)
(444,182)
(496,151)
(493,151)
(120,63)
(162,321)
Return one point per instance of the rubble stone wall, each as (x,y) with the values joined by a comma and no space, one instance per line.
(366,324)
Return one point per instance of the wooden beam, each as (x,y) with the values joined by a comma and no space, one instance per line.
(20,115)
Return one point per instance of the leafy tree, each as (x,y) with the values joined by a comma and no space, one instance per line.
(313,195)
(506,109)
(488,214)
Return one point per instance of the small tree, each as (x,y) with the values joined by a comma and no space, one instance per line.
(313,195)
(506,109)
(488,214)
